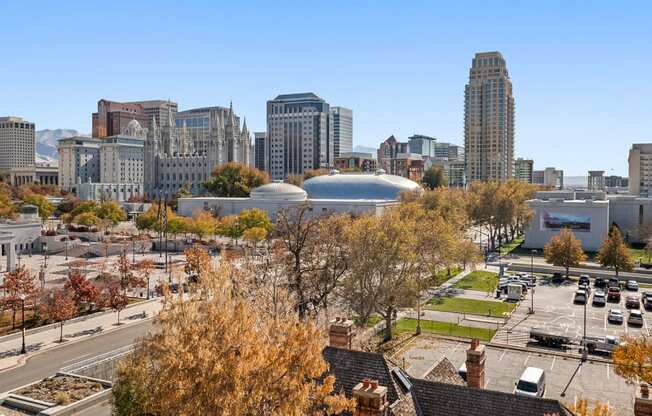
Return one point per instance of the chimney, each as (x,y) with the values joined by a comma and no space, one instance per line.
(371,399)
(340,333)
(475,358)
(642,402)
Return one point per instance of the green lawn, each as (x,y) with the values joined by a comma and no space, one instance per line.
(639,254)
(372,321)
(511,246)
(443,328)
(479,280)
(470,306)
(444,275)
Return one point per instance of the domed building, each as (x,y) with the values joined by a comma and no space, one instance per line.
(351,193)
(378,186)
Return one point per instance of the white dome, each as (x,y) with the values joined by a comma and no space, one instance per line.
(359,186)
(279,191)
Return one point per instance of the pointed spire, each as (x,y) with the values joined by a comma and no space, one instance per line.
(244,125)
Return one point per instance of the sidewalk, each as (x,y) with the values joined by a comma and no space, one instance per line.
(41,340)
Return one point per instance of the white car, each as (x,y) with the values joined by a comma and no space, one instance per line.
(631,285)
(635,317)
(599,298)
(615,316)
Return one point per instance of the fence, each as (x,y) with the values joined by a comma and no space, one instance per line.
(102,366)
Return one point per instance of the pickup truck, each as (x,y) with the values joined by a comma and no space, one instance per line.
(605,344)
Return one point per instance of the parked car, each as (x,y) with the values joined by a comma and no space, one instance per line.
(580,297)
(613,282)
(532,383)
(632,285)
(599,298)
(585,288)
(635,317)
(632,302)
(584,280)
(599,282)
(646,298)
(615,316)
(613,294)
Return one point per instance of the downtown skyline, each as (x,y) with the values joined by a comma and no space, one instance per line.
(580,88)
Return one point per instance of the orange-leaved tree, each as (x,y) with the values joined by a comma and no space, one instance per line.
(564,250)
(258,365)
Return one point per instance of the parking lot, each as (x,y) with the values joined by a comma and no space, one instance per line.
(504,367)
(556,312)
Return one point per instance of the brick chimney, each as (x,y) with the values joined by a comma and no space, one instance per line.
(371,399)
(475,358)
(340,333)
(643,402)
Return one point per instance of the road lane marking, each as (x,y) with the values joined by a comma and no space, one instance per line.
(76,358)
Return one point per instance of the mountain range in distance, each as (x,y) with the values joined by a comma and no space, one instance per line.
(46,143)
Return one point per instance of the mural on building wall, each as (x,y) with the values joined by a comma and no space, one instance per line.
(554,221)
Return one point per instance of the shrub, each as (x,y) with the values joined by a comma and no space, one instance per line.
(61,398)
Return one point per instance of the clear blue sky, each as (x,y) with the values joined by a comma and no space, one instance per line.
(582,71)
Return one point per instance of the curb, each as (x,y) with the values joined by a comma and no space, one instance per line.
(22,360)
(47,327)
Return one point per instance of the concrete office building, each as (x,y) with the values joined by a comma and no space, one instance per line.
(363,162)
(456,173)
(299,134)
(423,145)
(342,130)
(640,169)
(407,165)
(79,161)
(489,120)
(17,150)
(354,194)
(21,235)
(159,111)
(595,181)
(549,177)
(523,170)
(122,157)
(260,141)
(112,117)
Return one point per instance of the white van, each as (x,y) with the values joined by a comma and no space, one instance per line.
(532,383)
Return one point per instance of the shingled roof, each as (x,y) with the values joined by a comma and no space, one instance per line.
(442,399)
(350,367)
(445,372)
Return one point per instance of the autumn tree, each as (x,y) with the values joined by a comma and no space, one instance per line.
(18,283)
(88,219)
(115,299)
(58,306)
(258,365)
(235,180)
(433,177)
(45,208)
(564,250)
(127,279)
(81,290)
(112,212)
(582,407)
(201,224)
(145,269)
(315,255)
(633,360)
(7,208)
(614,253)
(234,226)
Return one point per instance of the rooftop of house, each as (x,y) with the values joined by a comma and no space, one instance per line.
(409,396)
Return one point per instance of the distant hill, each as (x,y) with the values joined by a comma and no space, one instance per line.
(46,143)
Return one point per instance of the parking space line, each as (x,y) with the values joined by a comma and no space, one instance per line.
(608,371)
(526,360)
(552,365)
(502,355)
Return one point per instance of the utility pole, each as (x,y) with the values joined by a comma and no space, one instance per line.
(532,280)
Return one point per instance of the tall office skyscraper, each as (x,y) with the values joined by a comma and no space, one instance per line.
(488,119)
(112,117)
(17,143)
(299,134)
(159,111)
(260,141)
(342,130)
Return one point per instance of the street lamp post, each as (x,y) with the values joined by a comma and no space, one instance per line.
(23,350)
(532,279)
(584,351)
(45,254)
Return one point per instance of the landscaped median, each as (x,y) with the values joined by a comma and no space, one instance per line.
(478,280)
(470,306)
(443,328)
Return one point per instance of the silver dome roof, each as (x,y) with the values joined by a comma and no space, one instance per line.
(279,191)
(358,186)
